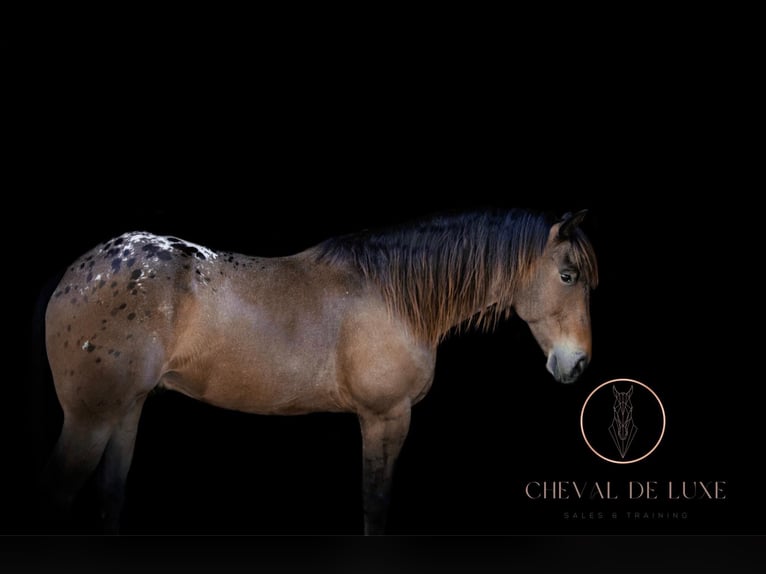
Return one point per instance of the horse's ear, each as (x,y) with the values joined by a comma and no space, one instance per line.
(569,223)
(614,391)
(630,391)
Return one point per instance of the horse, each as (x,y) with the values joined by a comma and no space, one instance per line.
(351,324)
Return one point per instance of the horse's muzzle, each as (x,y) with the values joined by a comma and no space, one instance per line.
(566,366)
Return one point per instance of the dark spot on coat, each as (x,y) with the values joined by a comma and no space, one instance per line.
(104,321)
(118,309)
(89,257)
(59,294)
(90,347)
(130,336)
(136,274)
(125,252)
(66,344)
(66,291)
(152,275)
(112,252)
(131,285)
(116,264)
(131,316)
(119,240)
(82,265)
(116,354)
(198,272)
(89,277)
(114,284)
(164,255)
(98,359)
(69,328)
(91,264)
(231,258)
(130,262)
(134,292)
(73,300)
(189,250)
(101,283)
(187,266)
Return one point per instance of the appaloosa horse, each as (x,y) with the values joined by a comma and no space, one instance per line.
(349,325)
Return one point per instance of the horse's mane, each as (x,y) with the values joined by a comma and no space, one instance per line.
(440,271)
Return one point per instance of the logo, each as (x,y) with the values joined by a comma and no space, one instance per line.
(622,421)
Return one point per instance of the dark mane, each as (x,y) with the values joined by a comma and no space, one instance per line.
(443,272)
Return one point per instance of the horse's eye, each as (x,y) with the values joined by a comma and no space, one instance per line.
(567,278)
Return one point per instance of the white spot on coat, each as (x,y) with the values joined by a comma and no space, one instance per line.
(164,243)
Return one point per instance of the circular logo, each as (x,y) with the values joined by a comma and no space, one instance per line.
(622,421)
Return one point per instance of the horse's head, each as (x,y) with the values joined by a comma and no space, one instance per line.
(554,298)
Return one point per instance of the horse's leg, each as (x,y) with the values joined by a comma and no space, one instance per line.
(382,439)
(112,473)
(74,458)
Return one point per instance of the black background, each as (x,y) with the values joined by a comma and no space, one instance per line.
(270,154)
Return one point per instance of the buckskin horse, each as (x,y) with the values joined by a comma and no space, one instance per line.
(349,325)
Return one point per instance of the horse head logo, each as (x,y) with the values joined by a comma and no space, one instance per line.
(624,433)
(622,430)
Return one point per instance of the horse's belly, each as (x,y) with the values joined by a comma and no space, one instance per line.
(263,387)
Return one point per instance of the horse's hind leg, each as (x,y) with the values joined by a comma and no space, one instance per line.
(113,471)
(382,438)
(74,458)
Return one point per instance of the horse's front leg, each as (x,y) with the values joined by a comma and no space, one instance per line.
(382,439)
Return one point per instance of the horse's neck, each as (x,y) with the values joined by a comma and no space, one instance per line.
(490,303)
